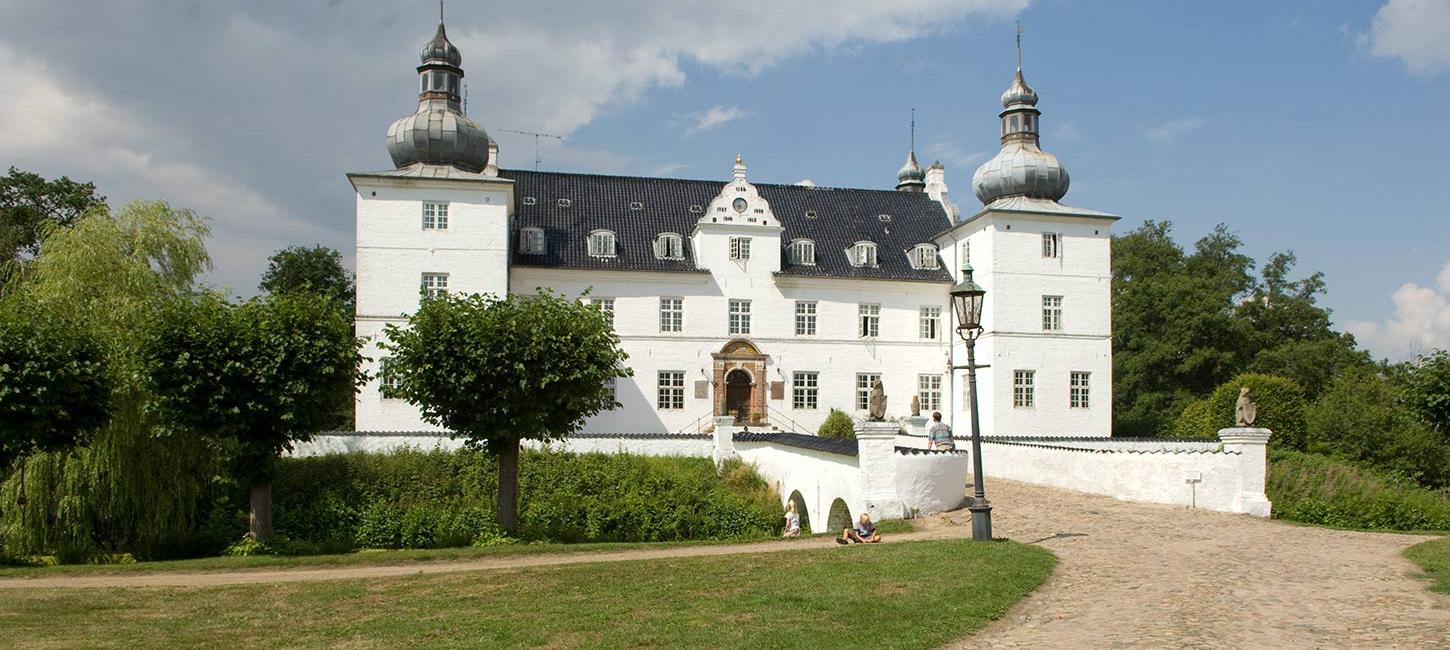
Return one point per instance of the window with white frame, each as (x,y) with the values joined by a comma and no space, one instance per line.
(739,317)
(1051,244)
(435,215)
(964,251)
(930,323)
(869,318)
(805,318)
(611,386)
(923,257)
(388,385)
(605,305)
(672,314)
(1077,396)
(531,241)
(1052,313)
(670,246)
(435,284)
(803,252)
(805,390)
(1024,391)
(671,389)
(739,248)
(863,389)
(863,254)
(601,244)
(928,390)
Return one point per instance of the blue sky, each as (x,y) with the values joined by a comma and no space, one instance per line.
(1316,126)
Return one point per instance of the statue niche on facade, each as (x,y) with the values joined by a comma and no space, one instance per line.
(877,403)
(1245,410)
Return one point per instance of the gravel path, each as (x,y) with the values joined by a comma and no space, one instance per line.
(1131,576)
(1147,576)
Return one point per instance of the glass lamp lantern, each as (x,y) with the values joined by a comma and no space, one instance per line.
(967,299)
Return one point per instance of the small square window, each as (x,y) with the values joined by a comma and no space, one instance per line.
(1024,393)
(1051,244)
(435,215)
(739,317)
(805,391)
(739,248)
(435,284)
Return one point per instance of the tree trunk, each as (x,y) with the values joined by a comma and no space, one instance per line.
(508,487)
(261,520)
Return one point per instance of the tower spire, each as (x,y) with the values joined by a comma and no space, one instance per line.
(440,17)
(1019,43)
(911,178)
(913,129)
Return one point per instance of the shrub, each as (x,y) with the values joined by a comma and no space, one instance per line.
(1362,417)
(1281,405)
(837,425)
(1317,489)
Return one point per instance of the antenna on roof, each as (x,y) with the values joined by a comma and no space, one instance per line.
(538,159)
(1019,46)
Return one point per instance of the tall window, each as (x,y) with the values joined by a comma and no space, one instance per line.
(739,248)
(671,389)
(435,216)
(672,314)
(1077,396)
(928,388)
(805,318)
(601,244)
(863,253)
(670,246)
(964,250)
(1051,245)
(870,321)
(930,323)
(531,241)
(924,257)
(739,316)
(863,389)
(605,305)
(805,390)
(388,385)
(435,284)
(1024,392)
(611,385)
(1052,313)
(803,251)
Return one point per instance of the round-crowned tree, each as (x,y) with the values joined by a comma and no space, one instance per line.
(496,371)
(1281,406)
(837,425)
(54,381)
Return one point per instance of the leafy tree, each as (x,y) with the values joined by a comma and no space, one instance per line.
(1362,417)
(837,425)
(317,270)
(29,206)
(54,382)
(496,371)
(1428,390)
(257,376)
(127,489)
(1289,334)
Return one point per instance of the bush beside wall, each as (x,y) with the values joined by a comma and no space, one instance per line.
(1317,489)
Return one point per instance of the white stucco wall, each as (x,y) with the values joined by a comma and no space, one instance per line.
(821,477)
(931,482)
(377,444)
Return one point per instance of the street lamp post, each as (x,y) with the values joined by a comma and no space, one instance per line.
(967,298)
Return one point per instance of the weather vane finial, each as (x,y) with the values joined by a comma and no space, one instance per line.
(1019,45)
(913,128)
(440,12)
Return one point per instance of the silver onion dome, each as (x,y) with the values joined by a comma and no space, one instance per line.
(1020,169)
(1019,92)
(438,135)
(911,174)
(441,49)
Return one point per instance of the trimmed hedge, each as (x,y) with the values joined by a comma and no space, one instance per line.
(837,425)
(1317,489)
(415,499)
(1281,405)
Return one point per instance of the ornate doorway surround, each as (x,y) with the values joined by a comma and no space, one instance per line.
(739,382)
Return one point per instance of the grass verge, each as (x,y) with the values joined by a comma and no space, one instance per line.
(1434,558)
(907,595)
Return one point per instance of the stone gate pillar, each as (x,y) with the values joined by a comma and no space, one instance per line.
(1251,443)
(876,456)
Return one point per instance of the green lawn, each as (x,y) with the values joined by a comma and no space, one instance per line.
(377,557)
(907,595)
(1434,558)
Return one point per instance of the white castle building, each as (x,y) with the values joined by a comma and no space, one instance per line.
(769,303)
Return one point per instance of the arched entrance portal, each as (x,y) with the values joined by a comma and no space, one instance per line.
(739,382)
(737,395)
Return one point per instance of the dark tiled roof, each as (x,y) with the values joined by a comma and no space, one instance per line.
(843,217)
(801,440)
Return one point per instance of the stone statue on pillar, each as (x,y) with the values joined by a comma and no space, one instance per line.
(1245,410)
(877,402)
(915,406)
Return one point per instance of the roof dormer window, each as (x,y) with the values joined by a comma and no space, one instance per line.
(923,256)
(529,200)
(863,254)
(669,246)
(531,241)
(564,203)
(636,205)
(803,252)
(601,244)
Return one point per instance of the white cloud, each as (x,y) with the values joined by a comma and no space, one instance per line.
(1421,321)
(1169,131)
(715,116)
(953,154)
(1414,31)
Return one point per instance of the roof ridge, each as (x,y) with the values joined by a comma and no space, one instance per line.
(722,183)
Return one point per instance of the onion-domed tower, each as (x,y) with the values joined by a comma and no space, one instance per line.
(439,133)
(1021,168)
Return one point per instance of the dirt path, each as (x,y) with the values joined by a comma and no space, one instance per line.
(1145,576)
(1131,576)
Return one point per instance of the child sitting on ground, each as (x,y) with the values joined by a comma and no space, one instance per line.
(792,520)
(863,533)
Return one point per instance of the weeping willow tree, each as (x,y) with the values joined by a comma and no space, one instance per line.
(130,488)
